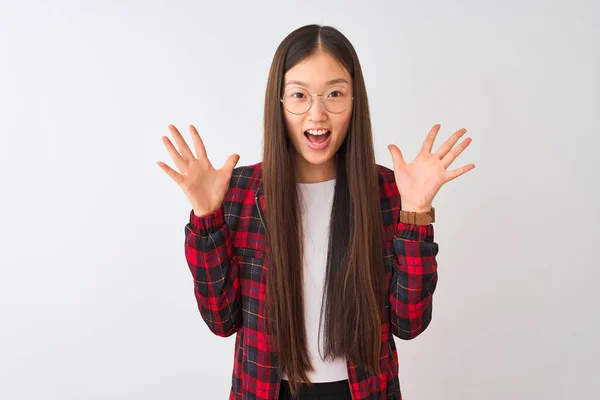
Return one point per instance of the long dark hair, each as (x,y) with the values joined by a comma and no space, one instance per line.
(354,288)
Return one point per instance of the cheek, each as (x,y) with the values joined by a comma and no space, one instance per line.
(293,124)
(343,123)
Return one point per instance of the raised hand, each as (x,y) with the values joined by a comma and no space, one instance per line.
(419,181)
(204,186)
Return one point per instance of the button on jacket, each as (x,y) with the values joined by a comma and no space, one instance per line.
(225,251)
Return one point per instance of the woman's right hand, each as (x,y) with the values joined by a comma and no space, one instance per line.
(204,186)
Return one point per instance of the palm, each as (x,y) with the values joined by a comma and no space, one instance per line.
(201,177)
(204,186)
(420,180)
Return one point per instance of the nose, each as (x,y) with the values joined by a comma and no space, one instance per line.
(317,112)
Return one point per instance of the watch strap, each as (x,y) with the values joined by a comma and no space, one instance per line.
(416,218)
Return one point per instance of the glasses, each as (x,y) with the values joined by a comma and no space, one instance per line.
(299,101)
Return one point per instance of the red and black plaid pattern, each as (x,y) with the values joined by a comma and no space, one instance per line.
(225,253)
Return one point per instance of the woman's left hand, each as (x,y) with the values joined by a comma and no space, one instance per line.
(419,181)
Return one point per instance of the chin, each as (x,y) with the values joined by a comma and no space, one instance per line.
(317,160)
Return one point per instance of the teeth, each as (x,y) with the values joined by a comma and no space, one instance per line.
(317,133)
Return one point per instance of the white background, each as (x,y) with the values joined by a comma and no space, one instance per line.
(96,299)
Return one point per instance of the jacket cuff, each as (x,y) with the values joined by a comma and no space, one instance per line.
(208,223)
(419,233)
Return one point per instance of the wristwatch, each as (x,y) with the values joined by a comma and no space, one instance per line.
(415,218)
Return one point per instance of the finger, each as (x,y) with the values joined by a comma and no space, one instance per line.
(185,151)
(448,144)
(428,143)
(198,143)
(451,156)
(231,162)
(397,157)
(179,162)
(178,178)
(458,172)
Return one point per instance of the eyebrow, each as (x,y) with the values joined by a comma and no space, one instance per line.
(331,82)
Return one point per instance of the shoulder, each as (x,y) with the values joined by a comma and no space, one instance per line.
(387,181)
(246,177)
(239,200)
(385,173)
(388,195)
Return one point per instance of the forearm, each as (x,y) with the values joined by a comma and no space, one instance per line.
(209,254)
(414,278)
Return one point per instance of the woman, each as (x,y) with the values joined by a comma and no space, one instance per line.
(316,255)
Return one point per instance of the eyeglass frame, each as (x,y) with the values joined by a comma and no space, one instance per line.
(311,102)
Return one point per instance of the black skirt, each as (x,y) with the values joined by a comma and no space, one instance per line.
(338,390)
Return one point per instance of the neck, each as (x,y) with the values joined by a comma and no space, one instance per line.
(314,173)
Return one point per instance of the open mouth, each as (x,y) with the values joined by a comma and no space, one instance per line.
(317,142)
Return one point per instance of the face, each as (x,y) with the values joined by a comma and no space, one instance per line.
(314,153)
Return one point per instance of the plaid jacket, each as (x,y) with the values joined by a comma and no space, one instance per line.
(225,252)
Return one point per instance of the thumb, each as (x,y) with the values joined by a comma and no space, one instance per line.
(396,154)
(231,162)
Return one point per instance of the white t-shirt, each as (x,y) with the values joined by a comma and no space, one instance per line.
(316,200)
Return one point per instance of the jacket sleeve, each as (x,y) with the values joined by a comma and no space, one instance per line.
(216,272)
(414,278)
